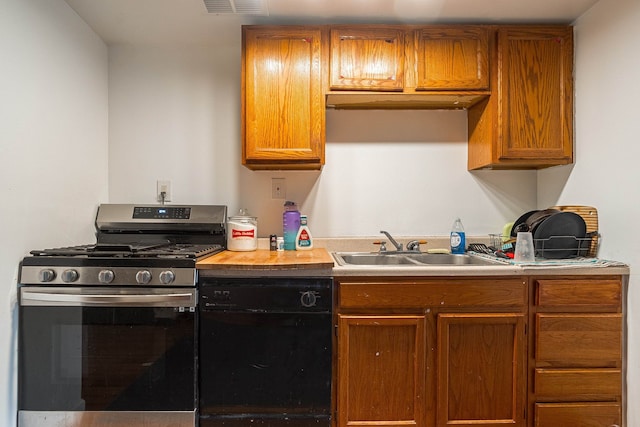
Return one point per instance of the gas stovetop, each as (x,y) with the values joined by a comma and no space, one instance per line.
(115,265)
(137,245)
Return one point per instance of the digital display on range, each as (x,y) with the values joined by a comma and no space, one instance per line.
(163,212)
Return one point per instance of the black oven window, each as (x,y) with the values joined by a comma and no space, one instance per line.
(106,359)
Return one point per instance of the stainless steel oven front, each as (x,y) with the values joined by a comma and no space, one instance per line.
(98,355)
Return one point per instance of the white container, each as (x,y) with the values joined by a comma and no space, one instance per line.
(304,241)
(242,232)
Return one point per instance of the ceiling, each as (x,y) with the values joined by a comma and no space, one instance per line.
(171,22)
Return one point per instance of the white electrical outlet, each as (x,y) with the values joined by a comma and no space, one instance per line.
(278,188)
(163,191)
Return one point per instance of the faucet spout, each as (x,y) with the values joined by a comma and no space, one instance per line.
(397,245)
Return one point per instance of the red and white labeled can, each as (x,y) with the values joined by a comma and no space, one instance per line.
(242,232)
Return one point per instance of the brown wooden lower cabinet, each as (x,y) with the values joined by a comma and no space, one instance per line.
(481,351)
(584,339)
(381,365)
(561,385)
(577,415)
(481,369)
(578,348)
(430,352)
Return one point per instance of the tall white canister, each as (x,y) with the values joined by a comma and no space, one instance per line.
(242,232)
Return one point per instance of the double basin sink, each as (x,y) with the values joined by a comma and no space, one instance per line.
(406,259)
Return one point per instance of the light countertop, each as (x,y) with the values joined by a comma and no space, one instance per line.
(319,262)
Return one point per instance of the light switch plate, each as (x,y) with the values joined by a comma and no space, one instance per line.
(278,188)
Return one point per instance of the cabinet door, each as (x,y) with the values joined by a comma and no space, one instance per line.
(367,58)
(536,93)
(452,58)
(283,100)
(481,369)
(381,370)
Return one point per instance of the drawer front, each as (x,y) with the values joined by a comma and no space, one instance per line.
(421,293)
(579,339)
(573,385)
(577,415)
(580,293)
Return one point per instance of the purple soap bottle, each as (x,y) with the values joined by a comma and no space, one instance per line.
(290,225)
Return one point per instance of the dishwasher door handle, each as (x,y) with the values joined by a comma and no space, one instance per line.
(107,297)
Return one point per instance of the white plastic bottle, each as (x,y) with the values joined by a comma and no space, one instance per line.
(303,238)
(457,238)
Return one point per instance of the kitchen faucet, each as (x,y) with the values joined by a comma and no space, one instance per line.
(397,245)
(412,246)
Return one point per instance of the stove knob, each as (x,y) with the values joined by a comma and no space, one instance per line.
(167,277)
(47,275)
(69,276)
(106,276)
(308,299)
(143,277)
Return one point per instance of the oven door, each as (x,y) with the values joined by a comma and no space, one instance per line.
(106,356)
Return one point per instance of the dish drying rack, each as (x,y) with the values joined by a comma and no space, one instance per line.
(590,216)
(583,247)
(564,247)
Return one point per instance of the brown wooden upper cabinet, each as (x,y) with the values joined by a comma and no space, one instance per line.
(452,58)
(367,58)
(408,59)
(527,122)
(283,110)
(516,82)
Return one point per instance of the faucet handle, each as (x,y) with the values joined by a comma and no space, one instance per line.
(383,245)
(414,245)
(397,245)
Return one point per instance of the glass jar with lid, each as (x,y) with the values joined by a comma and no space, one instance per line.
(242,232)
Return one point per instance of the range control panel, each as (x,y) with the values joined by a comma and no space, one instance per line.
(161,212)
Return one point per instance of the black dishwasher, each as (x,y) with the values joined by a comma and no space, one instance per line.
(265,352)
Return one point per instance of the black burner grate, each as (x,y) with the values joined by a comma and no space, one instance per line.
(160,250)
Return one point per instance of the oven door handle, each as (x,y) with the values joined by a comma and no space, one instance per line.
(91,297)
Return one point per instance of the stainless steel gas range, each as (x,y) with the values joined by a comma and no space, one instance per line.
(107,331)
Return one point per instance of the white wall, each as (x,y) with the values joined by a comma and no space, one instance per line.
(606,173)
(53,147)
(175,114)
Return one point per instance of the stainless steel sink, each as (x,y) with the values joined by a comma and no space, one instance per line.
(407,259)
(372,259)
(449,259)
